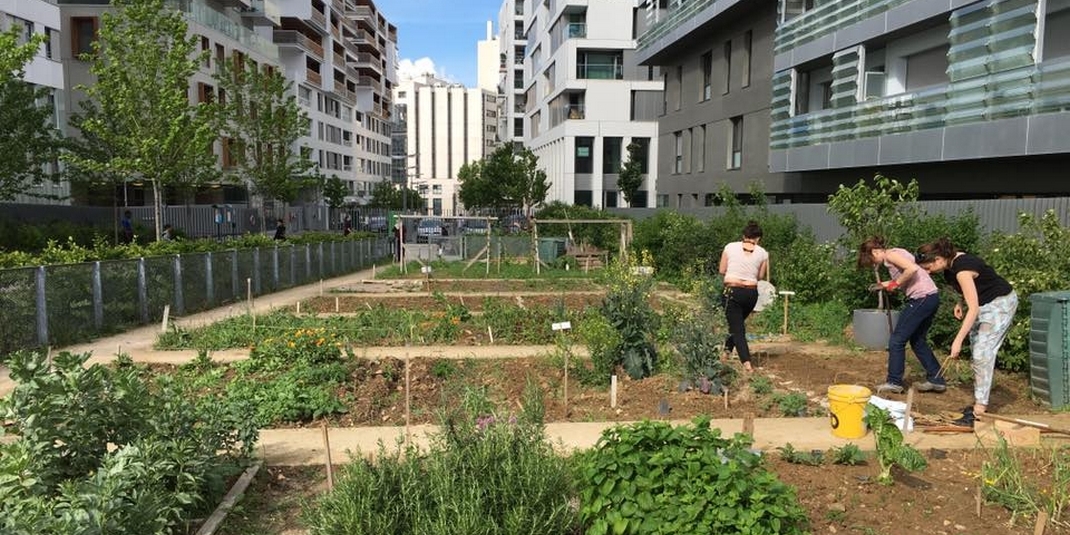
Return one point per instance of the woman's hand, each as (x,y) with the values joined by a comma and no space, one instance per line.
(958,311)
(956,348)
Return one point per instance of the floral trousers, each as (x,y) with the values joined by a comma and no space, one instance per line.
(994,319)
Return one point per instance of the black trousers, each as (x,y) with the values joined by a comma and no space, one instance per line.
(738,304)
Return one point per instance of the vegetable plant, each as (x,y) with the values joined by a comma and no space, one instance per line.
(891,449)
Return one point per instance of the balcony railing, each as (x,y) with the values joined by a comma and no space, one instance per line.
(673,18)
(313,76)
(600,71)
(292,37)
(827,18)
(319,20)
(560,114)
(363,37)
(198,12)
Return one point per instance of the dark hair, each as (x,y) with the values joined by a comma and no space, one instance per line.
(752,230)
(865,251)
(941,248)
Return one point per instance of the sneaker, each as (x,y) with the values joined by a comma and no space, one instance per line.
(890,387)
(930,387)
(968,417)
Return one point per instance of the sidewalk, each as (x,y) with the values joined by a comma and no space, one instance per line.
(289,447)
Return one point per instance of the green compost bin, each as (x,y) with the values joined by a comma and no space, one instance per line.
(550,249)
(1049,348)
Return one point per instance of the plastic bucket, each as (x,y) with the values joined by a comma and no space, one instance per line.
(847,406)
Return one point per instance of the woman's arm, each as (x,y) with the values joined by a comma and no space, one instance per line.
(906,265)
(969,294)
(723,268)
(763,271)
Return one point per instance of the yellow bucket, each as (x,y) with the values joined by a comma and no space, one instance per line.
(847,406)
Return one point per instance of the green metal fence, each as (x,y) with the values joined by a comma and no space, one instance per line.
(63,304)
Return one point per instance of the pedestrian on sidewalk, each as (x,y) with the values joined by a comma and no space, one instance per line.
(280,230)
(915,318)
(990,306)
(743,264)
(126,228)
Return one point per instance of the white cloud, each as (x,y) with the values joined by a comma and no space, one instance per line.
(409,69)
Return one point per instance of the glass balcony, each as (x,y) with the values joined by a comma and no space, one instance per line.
(198,12)
(576,30)
(600,71)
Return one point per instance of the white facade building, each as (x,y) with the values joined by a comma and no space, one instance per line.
(448,125)
(586,99)
(45,69)
(512,45)
(488,60)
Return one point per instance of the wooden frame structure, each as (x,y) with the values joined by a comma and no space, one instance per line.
(625,234)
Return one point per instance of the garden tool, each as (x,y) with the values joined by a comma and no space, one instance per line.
(881,298)
(1027,423)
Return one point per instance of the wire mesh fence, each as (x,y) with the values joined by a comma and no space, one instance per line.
(64,304)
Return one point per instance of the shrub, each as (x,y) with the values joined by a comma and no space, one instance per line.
(627,307)
(486,472)
(699,340)
(170,460)
(650,477)
(676,242)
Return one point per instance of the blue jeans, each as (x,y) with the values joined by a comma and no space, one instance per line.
(913,326)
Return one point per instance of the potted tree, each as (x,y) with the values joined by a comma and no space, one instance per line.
(866,210)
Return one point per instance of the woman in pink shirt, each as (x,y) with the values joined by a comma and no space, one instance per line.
(743,264)
(915,318)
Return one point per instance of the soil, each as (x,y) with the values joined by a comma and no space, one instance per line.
(474,303)
(376,393)
(941,500)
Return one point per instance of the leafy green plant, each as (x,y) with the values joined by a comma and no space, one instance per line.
(699,339)
(1005,482)
(602,341)
(792,404)
(789,454)
(761,385)
(891,449)
(627,307)
(848,454)
(650,477)
(443,369)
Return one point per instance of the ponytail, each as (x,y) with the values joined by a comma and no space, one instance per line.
(941,248)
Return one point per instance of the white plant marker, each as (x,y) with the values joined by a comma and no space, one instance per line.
(562,327)
(613,391)
(166,316)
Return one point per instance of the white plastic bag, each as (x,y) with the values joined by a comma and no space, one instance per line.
(766,295)
(897,410)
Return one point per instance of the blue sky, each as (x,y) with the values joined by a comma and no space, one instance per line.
(446,31)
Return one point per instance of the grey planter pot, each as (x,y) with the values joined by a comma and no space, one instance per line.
(870,326)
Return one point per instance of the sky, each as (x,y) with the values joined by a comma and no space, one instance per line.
(440,35)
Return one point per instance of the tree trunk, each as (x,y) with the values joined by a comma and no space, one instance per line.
(157,203)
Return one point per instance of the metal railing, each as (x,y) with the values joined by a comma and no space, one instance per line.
(59,305)
(600,71)
(288,37)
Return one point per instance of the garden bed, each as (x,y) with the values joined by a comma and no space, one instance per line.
(474,303)
(838,499)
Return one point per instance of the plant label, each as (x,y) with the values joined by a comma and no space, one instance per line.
(562,326)
(643,270)
(425,269)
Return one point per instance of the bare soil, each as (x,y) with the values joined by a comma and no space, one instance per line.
(941,500)
(426,302)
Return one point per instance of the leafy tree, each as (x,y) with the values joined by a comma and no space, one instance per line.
(506,178)
(385,195)
(631,174)
(29,140)
(865,210)
(143,60)
(260,116)
(334,192)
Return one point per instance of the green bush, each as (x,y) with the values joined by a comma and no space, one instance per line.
(602,236)
(484,473)
(676,242)
(627,307)
(171,457)
(652,478)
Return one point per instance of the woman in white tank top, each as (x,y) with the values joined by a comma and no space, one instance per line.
(743,264)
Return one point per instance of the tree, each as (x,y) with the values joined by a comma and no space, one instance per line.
(506,178)
(143,60)
(29,140)
(385,195)
(631,173)
(334,192)
(259,115)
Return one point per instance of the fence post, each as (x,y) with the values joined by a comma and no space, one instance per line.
(334,255)
(234,283)
(275,266)
(256,270)
(98,298)
(42,307)
(308,262)
(209,280)
(293,267)
(321,259)
(142,290)
(180,302)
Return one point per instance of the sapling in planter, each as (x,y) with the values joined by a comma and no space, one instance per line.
(891,450)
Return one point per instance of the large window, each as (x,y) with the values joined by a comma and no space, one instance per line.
(735,144)
(747,43)
(600,64)
(643,156)
(812,90)
(789,9)
(727,66)
(707,75)
(927,68)
(1056,30)
(679,86)
(611,155)
(678,164)
(699,138)
(584,159)
(83,33)
(583,197)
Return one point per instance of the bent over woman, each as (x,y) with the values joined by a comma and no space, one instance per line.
(743,264)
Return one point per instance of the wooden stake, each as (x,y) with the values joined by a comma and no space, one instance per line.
(327,449)
(166,316)
(337,304)
(978,500)
(784,327)
(249,293)
(321,287)
(408,401)
(613,391)
(748,424)
(490,333)
(298,308)
(907,428)
(725,392)
(48,357)
(1042,523)
(566,383)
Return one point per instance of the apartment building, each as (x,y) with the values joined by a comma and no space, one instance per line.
(512,45)
(716,59)
(32,17)
(967,96)
(342,57)
(448,125)
(586,98)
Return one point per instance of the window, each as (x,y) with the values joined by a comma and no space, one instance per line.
(643,154)
(83,33)
(927,68)
(1056,28)
(611,155)
(789,9)
(662,200)
(678,166)
(584,162)
(812,90)
(611,199)
(583,197)
(727,66)
(747,39)
(600,64)
(206,50)
(50,34)
(735,144)
(700,149)
(707,75)
(679,86)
